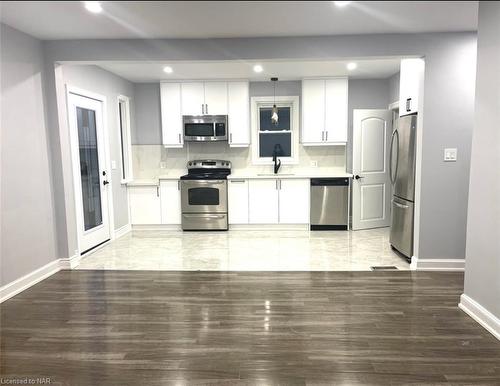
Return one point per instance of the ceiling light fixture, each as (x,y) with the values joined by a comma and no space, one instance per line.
(351,66)
(168,69)
(258,68)
(341,3)
(93,6)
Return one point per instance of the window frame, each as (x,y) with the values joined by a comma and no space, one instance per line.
(125,141)
(281,101)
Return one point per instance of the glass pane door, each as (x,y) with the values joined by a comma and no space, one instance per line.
(89,168)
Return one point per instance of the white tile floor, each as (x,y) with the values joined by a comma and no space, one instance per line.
(240,250)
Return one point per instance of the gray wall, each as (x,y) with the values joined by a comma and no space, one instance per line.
(394,88)
(97,80)
(448,106)
(365,94)
(147,130)
(482,267)
(28,233)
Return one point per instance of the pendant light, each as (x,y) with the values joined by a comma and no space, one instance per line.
(274,112)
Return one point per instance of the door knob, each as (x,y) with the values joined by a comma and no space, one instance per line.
(105,182)
(358,177)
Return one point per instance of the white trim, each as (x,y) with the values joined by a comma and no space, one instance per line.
(70,262)
(480,314)
(269,227)
(156,227)
(13,288)
(393,106)
(292,100)
(437,264)
(126,169)
(122,231)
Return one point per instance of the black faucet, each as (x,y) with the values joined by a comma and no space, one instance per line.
(276,152)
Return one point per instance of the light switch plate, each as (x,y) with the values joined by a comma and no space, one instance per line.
(113,164)
(450,155)
(314,164)
(163,165)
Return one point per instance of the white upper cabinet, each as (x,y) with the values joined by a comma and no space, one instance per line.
(170,199)
(313,111)
(410,85)
(294,201)
(171,115)
(239,115)
(324,111)
(193,98)
(215,98)
(336,110)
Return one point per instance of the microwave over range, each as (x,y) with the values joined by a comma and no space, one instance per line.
(205,128)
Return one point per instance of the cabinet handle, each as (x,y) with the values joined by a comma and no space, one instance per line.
(280,184)
(178,184)
(230,137)
(322,136)
(408,104)
(202,108)
(276,181)
(206,108)
(179,137)
(326,136)
(157,191)
(237,181)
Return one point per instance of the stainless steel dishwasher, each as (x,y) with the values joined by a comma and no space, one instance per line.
(329,204)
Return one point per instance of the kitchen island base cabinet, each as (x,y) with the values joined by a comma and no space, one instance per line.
(237,193)
(170,198)
(263,201)
(144,204)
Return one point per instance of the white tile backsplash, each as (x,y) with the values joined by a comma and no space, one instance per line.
(147,158)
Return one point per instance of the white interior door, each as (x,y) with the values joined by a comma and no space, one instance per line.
(89,169)
(371,192)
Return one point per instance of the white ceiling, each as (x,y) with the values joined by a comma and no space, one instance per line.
(144,72)
(205,19)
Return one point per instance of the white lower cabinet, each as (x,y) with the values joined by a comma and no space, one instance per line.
(294,201)
(263,201)
(170,197)
(238,201)
(278,201)
(144,204)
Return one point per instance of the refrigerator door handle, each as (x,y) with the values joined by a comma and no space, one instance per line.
(391,174)
(400,205)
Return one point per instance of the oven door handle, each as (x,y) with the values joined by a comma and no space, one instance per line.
(203,182)
(218,216)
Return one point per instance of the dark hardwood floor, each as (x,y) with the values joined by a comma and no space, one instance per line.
(249,328)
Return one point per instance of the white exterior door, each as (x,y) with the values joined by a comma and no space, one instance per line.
(372,192)
(91,179)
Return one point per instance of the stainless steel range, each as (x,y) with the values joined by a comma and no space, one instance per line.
(204,195)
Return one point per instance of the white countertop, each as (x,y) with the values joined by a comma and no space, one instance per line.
(250,174)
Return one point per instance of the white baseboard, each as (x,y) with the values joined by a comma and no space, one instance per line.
(13,288)
(268,227)
(156,227)
(480,314)
(122,231)
(70,262)
(437,264)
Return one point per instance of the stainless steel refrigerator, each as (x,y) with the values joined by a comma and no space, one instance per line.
(402,171)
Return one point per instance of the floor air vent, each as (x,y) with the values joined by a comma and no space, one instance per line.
(384,268)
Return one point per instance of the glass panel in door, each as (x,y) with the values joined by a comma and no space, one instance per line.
(89,168)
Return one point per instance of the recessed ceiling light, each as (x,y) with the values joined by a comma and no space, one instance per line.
(168,69)
(258,68)
(93,6)
(351,66)
(341,3)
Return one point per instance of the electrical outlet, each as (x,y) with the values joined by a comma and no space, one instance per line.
(450,155)
(314,164)
(163,165)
